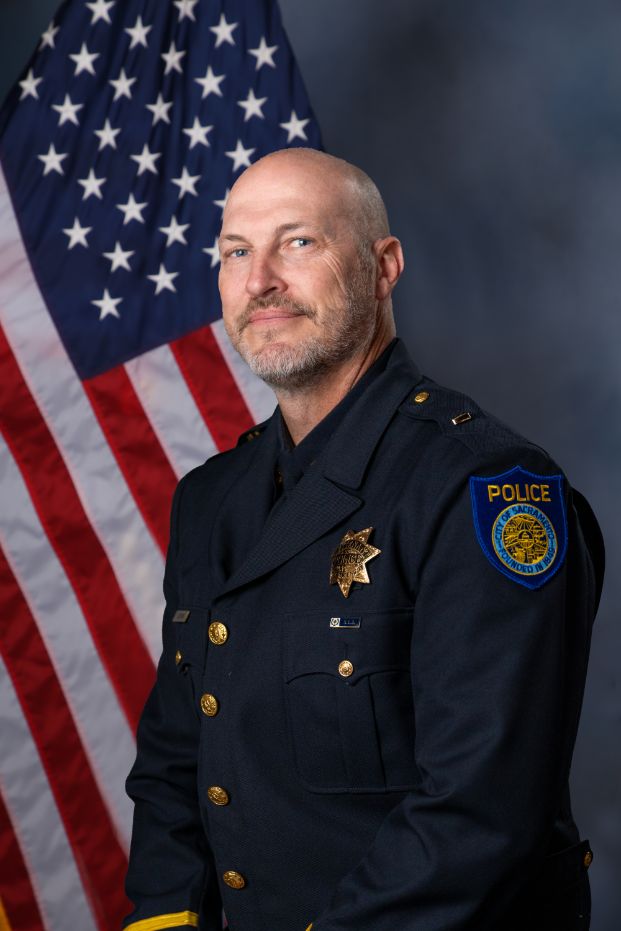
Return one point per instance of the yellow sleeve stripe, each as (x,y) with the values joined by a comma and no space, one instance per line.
(161,922)
(4,921)
(310,926)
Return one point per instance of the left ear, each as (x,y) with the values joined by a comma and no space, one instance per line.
(390,264)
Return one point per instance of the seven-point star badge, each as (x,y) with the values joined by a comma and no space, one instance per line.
(349,559)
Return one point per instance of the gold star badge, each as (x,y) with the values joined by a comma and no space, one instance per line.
(349,560)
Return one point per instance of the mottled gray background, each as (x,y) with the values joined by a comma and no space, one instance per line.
(493,129)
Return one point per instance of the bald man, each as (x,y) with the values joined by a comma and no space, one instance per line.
(378,613)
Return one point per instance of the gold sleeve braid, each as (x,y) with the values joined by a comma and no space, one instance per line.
(161,922)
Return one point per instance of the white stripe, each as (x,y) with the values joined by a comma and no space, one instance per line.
(132,552)
(260,399)
(105,734)
(36,821)
(171,409)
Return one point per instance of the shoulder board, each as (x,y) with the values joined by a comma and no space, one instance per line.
(249,435)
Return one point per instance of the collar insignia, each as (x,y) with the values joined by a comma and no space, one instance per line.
(349,560)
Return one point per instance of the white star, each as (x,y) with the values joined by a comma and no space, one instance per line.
(174,232)
(52,160)
(132,210)
(240,155)
(186,183)
(91,185)
(160,109)
(67,111)
(214,252)
(146,160)
(100,10)
(173,59)
(186,8)
(77,234)
(223,31)
(119,258)
(138,33)
(122,86)
(252,105)
(264,54)
(222,203)
(197,133)
(211,83)
(107,305)
(295,127)
(48,37)
(107,136)
(163,280)
(84,60)
(29,86)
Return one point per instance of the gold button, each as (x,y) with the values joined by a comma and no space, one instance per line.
(218,795)
(588,858)
(218,633)
(234,879)
(346,668)
(178,657)
(421,397)
(209,704)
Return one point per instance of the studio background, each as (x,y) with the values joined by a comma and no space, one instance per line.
(493,130)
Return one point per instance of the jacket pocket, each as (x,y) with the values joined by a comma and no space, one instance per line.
(349,701)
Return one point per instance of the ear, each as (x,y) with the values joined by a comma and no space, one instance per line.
(390,264)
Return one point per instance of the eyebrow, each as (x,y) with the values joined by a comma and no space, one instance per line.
(283,228)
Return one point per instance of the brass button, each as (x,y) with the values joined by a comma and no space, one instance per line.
(209,704)
(421,397)
(178,657)
(218,795)
(346,668)
(218,633)
(234,879)
(588,858)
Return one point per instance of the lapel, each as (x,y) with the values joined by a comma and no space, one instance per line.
(326,494)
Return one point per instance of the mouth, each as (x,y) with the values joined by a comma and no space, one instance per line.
(271,314)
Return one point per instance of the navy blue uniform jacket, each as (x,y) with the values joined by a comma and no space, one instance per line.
(422,785)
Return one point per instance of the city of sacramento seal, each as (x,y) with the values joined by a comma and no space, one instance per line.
(524,539)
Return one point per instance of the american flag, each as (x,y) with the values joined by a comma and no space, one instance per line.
(118,148)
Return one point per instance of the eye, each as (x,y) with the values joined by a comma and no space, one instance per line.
(300,241)
(237,253)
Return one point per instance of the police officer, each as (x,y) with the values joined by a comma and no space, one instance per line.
(378,613)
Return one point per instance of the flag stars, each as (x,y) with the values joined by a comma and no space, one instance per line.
(122,86)
(77,234)
(92,185)
(186,8)
(252,106)
(213,252)
(29,86)
(186,183)
(222,203)
(138,33)
(107,136)
(295,127)
(240,156)
(264,54)
(100,10)
(48,38)
(52,161)
(146,160)
(198,133)
(175,232)
(131,210)
(107,305)
(211,83)
(163,280)
(172,59)
(84,60)
(67,111)
(119,257)
(223,31)
(160,109)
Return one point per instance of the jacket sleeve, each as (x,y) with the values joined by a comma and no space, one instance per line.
(497,677)
(171,879)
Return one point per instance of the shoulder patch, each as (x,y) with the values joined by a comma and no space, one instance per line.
(521,523)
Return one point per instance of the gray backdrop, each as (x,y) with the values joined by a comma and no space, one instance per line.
(493,128)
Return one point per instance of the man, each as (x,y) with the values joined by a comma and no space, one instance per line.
(378,617)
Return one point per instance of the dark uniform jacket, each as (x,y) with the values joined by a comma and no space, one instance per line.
(393,760)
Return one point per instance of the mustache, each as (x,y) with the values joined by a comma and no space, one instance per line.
(277,300)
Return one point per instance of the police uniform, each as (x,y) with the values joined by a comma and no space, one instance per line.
(371,680)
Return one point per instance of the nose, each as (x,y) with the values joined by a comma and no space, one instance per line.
(264,277)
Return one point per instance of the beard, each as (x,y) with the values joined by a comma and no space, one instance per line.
(343,332)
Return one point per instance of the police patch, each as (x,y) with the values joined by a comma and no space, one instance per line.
(521,523)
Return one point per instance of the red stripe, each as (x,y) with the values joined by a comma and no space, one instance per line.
(136,448)
(120,646)
(99,858)
(16,892)
(213,387)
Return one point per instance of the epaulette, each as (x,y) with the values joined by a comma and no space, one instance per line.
(248,435)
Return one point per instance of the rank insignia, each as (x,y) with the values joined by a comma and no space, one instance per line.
(521,524)
(349,560)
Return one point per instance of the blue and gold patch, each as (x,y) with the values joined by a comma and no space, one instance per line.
(521,523)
